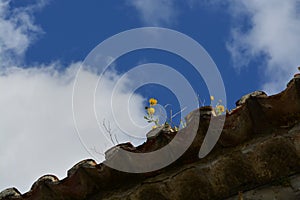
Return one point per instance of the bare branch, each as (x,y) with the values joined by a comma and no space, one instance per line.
(116,139)
(178,112)
(108,130)
(171,119)
(167,105)
(95,150)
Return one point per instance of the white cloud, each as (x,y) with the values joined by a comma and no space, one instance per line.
(155,12)
(37,129)
(38,135)
(17,30)
(273,32)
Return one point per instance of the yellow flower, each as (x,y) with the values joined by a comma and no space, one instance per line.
(154,127)
(220,108)
(151,111)
(152,102)
(212,98)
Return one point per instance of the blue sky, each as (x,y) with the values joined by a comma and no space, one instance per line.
(72,31)
(43,43)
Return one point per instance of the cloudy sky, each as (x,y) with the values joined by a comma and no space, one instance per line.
(43,44)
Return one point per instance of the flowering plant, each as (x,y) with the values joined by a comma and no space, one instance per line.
(150,112)
(167,125)
(219,109)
